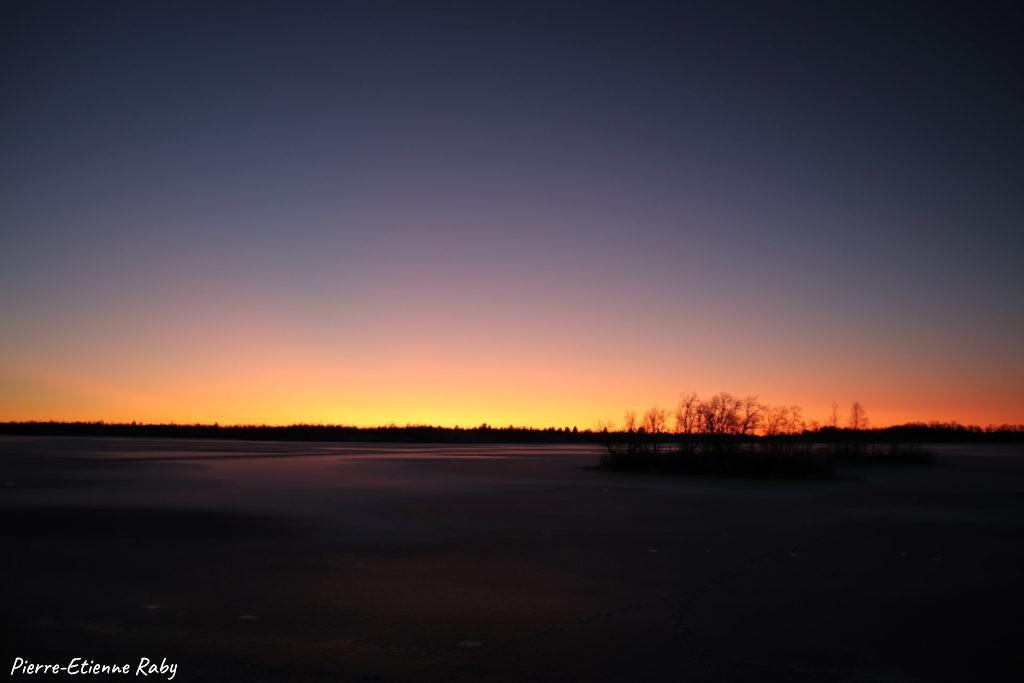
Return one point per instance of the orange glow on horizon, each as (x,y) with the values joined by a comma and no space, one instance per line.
(424,389)
(425,365)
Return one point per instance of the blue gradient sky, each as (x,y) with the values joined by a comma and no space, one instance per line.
(508,212)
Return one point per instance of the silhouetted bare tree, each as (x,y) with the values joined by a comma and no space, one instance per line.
(796,419)
(629,421)
(834,420)
(720,414)
(781,420)
(858,417)
(688,414)
(751,416)
(655,420)
(777,421)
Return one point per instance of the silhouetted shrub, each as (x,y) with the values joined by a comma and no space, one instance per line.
(862,453)
(723,458)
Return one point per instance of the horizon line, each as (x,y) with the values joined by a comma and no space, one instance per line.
(931,424)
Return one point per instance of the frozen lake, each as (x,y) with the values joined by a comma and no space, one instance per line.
(271,560)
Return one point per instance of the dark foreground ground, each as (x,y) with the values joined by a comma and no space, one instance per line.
(290,561)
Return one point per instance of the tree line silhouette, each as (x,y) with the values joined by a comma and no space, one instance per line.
(723,415)
(729,415)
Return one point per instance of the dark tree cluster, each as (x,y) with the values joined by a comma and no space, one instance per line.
(741,436)
(483,433)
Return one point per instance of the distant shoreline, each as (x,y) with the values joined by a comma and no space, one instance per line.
(912,433)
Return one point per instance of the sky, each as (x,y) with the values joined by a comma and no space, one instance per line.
(515,213)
